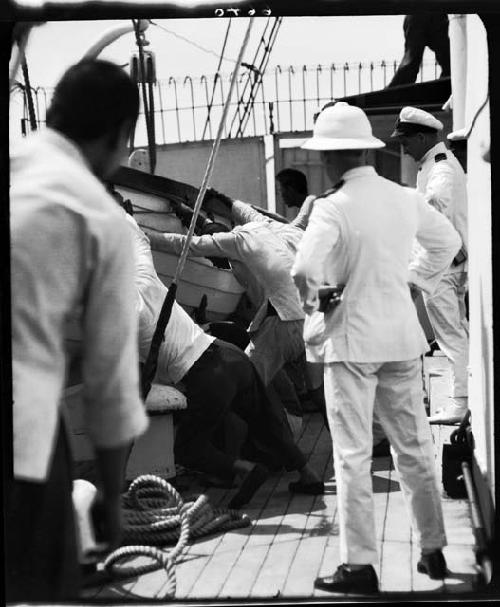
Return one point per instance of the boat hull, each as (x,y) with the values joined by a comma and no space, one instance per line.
(199,277)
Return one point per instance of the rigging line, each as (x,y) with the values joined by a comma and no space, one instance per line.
(250,80)
(151,364)
(213,154)
(259,80)
(221,58)
(263,68)
(195,44)
(147,116)
(240,100)
(29,94)
(255,82)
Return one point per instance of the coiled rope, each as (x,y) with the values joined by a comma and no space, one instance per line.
(154,514)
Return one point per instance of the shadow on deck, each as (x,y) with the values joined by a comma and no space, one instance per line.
(294,538)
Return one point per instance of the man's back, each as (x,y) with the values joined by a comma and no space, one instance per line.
(66,235)
(366,229)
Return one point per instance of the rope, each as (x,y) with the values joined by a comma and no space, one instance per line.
(209,108)
(198,46)
(29,94)
(154,514)
(148,116)
(213,154)
(151,364)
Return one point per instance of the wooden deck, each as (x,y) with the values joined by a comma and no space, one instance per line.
(293,539)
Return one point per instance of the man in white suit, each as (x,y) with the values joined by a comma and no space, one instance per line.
(442,181)
(360,235)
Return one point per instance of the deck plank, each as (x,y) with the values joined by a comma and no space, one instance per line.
(300,520)
(293,538)
(395,551)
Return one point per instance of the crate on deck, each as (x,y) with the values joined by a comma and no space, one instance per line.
(153,452)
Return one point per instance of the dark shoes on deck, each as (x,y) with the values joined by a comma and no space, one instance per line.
(251,482)
(433,564)
(345,579)
(365,581)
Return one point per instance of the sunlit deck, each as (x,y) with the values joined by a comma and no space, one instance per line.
(293,539)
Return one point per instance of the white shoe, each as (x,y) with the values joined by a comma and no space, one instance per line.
(452,414)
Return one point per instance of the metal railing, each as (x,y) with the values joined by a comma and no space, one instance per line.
(189,108)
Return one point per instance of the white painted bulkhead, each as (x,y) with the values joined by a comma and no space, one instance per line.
(476,119)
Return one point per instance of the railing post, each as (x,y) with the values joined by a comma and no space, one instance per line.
(277,70)
(304,100)
(173,81)
(318,72)
(346,69)
(271,118)
(162,111)
(203,80)
(290,72)
(188,79)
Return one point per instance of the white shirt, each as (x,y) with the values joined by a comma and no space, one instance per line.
(361,236)
(261,252)
(184,341)
(70,259)
(444,186)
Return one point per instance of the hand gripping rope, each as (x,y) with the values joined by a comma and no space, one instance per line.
(155,515)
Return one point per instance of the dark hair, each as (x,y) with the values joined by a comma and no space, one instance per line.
(93,98)
(296,179)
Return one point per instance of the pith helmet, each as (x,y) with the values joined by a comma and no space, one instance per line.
(342,127)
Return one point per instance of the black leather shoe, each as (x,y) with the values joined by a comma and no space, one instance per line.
(359,581)
(433,564)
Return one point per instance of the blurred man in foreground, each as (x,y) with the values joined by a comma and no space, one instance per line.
(70,259)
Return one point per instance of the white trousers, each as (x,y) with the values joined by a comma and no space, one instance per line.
(351,389)
(446,311)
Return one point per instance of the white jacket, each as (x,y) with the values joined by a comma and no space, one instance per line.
(443,183)
(361,236)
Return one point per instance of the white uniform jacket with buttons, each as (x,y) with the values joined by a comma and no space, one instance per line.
(361,236)
(442,181)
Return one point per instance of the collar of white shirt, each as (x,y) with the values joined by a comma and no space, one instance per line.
(65,145)
(439,148)
(364,171)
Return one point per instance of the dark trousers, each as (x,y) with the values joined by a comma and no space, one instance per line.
(420,31)
(41,559)
(223,379)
